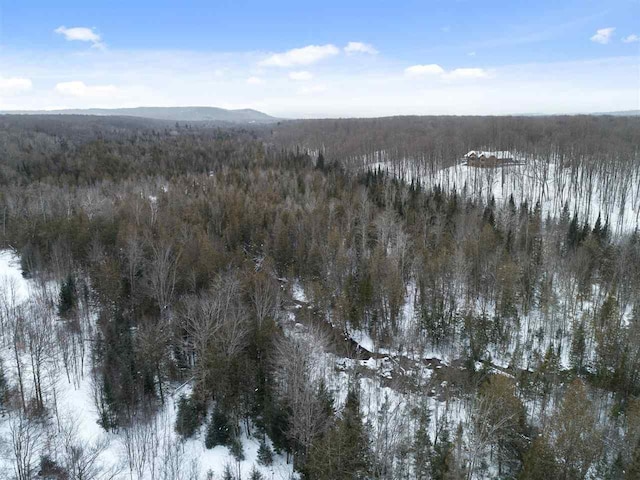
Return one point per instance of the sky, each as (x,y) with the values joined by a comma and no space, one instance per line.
(300,59)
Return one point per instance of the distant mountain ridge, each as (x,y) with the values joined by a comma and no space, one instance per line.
(622,113)
(178,114)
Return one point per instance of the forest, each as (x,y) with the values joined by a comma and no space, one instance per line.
(319,299)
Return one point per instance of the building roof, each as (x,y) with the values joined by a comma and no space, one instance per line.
(480,153)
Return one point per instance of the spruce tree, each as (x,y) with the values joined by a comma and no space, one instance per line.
(265,455)
(578,348)
(573,235)
(255,474)
(4,387)
(226,473)
(236,449)
(422,444)
(539,462)
(189,417)
(218,431)
(441,459)
(67,298)
(344,452)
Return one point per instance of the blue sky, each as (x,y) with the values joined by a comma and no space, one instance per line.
(348,58)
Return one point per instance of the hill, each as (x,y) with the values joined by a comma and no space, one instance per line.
(178,114)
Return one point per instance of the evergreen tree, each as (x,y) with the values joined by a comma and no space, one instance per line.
(586,230)
(422,444)
(578,348)
(68,296)
(227,473)
(573,234)
(265,455)
(4,387)
(344,452)
(218,431)
(539,462)
(255,474)
(236,449)
(326,400)
(597,228)
(441,458)
(189,416)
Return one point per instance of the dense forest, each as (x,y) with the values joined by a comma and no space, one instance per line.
(323,299)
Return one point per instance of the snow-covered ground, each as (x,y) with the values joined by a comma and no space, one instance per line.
(589,192)
(71,406)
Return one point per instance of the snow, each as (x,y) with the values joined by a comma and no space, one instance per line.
(298,293)
(363,339)
(71,402)
(590,192)
(12,283)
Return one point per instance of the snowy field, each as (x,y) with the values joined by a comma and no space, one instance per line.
(589,192)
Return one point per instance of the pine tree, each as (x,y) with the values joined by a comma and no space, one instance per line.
(236,449)
(218,431)
(578,348)
(326,400)
(355,437)
(573,235)
(4,387)
(189,416)
(67,298)
(422,444)
(265,455)
(441,458)
(586,230)
(344,452)
(539,462)
(226,473)
(597,228)
(255,474)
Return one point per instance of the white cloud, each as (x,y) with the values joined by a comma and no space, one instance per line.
(254,81)
(434,70)
(631,38)
(301,76)
(300,56)
(421,70)
(311,89)
(77,88)
(14,84)
(466,73)
(81,34)
(603,35)
(359,47)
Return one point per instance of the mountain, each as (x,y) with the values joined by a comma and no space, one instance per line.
(178,114)
(623,113)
